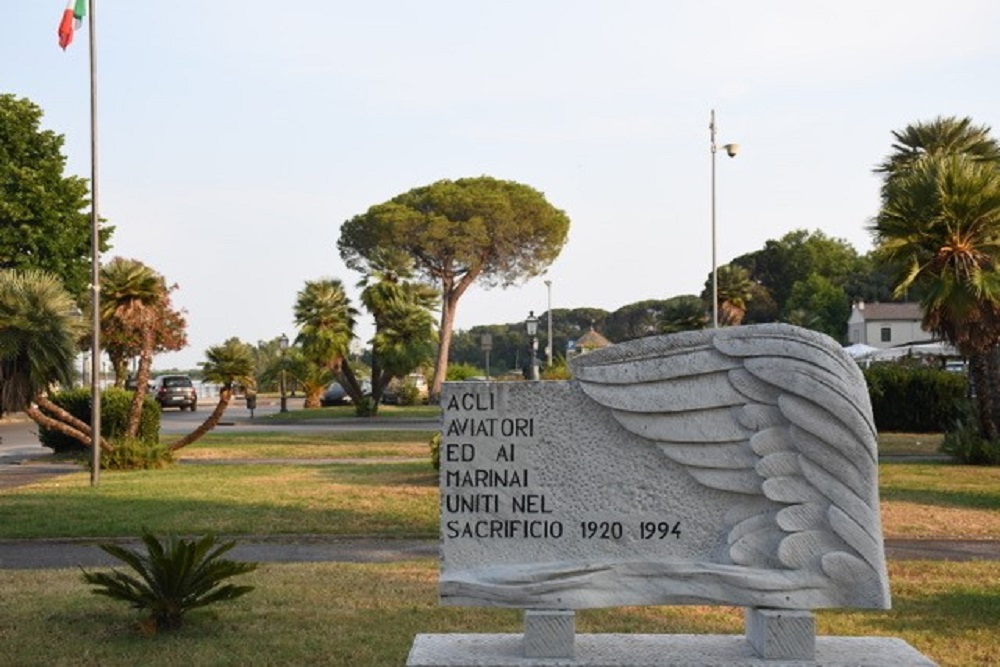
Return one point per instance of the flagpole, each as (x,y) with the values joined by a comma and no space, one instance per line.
(95,264)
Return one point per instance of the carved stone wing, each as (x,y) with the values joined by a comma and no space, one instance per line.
(776,413)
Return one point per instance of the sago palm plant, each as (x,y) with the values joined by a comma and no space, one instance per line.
(174,577)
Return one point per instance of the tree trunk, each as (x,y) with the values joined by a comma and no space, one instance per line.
(993,382)
(451,292)
(42,419)
(120,366)
(379,383)
(349,381)
(731,315)
(444,346)
(312,396)
(48,406)
(979,372)
(380,380)
(142,382)
(225,395)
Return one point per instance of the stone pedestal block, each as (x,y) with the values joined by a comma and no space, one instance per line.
(781,634)
(549,634)
(618,650)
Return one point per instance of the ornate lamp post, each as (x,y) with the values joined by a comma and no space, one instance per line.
(731,151)
(531,324)
(283,345)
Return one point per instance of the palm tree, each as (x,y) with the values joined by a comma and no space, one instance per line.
(404,327)
(326,321)
(229,365)
(312,378)
(735,288)
(940,228)
(683,313)
(134,298)
(941,136)
(122,342)
(39,329)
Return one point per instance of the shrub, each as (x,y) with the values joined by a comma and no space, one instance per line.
(135,454)
(965,443)
(461,372)
(409,393)
(915,399)
(559,370)
(115,405)
(436,451)
(174,578)
(365,407)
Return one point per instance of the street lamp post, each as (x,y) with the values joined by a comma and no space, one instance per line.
(531,324)
(283,344)
(731,151)
(548,350)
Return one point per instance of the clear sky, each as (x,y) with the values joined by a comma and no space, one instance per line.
(236,136)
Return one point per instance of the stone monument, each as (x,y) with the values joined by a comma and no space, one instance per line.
(735,466)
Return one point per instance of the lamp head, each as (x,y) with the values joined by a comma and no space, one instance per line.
(531,324)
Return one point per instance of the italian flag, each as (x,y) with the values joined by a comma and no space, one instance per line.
(72,19)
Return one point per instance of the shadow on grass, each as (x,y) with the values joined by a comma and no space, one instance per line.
(941,484)
(325,438)
(959,499)
(397,474)
(371,500)
(386,413)
(962,611)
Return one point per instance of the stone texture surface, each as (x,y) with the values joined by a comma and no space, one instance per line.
(549,634)
(618,650)
(781,633)
(732,466)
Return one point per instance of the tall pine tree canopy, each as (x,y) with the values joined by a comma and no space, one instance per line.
(455,233)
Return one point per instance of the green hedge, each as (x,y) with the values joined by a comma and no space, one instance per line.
(115,404)
(915,399)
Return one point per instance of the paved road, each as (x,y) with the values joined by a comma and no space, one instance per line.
(19,435)
(19,440)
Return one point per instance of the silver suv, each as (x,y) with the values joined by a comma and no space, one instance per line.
(175,391)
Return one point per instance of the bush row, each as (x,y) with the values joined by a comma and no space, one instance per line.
(115,404)
(915,399)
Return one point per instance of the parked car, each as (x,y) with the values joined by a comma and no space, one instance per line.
(175,391)
(132,383)
(335,394)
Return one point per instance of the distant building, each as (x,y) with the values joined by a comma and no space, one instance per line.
(589,342)
(884,325)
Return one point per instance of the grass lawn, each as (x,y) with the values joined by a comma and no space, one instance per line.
(335,445)
(398,499)
(939,500)
(367,614)
(362,615)
(923,444)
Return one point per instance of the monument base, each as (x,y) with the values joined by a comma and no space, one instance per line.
(621,650)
